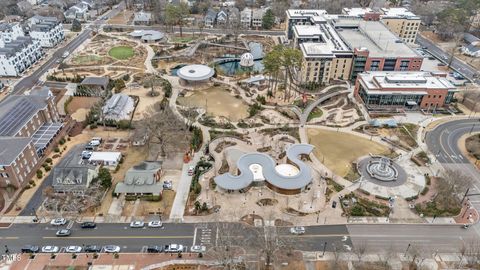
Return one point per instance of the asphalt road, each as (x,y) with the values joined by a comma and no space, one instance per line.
(30,81)
(427,238)
(466,70)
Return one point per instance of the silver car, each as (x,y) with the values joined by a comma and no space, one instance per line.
(50,249)
(111,249)
(73,249)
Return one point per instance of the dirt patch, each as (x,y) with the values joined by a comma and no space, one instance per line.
(122,17)
(82,103)
(473,145)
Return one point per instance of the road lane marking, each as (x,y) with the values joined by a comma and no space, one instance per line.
(9,237)
(121,237)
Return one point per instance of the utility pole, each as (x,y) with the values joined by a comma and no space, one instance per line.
(324,248)
(405,255)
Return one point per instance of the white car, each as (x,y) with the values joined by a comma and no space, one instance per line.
(65,54)
(297,230)
(137,224)
(198,249)
(111,249)
(173,248)
(94,143)
(50,249)
(58,222)
(73,249)
(155,224)
(191,170)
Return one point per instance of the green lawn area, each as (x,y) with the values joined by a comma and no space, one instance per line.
(121,52)
(316,112)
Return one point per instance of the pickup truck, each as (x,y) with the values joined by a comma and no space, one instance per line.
(173,248)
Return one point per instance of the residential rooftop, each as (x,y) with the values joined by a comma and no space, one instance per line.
(398,12)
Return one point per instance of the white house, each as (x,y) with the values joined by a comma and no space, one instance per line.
(222,17)
(142,17)
(48,30)
(78,11)
(108,159)
(17,52)
(246,18)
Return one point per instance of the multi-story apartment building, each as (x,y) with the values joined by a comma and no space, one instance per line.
(340,47)
(48,30)
(326,56)
(410,90)
(399,20)
(17,52)
(301,17)
(28,125)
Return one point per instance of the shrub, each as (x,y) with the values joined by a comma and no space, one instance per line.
(56,149)
(357,211)
(261,100)
(31,182)
(365,192)
(428,180)
(48,168)
(61,141)
(382,198)
(39,174)
(126,77)
(93,126)
(411,198)
(424,191)
(49,160)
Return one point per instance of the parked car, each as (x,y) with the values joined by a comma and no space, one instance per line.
(137,224)
(30,249)
(63,232)
(88,225)
(440,64)
(191,170)
(94,143)
(50,249)
(167,184)
(111,249)
(58,222)
(98,139)
(92,249)
(155,224)
(73,249)
(297,230)
(86,154)
(334,204)
(154,249)
(89,147)
(173,248)
(198,249)
(65,54)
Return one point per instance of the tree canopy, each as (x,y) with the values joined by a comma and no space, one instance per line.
(268,19)
(176,14)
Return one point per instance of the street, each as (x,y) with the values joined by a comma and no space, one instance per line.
(466,70)
(429,238)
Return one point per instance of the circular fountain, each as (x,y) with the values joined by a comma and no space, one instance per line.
(381,171)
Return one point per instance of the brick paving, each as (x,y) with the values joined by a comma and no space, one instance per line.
(124,261)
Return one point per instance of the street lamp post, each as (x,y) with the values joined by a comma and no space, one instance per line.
(473,126)
(405,255)
(324,248)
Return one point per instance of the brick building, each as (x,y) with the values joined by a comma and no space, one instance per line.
(28,125)
(406,90)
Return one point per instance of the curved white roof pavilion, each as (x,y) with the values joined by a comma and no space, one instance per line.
(195,73)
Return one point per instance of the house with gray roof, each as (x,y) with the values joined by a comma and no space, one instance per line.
(100,83)
(48,30)
(72,175)
(210,17)
(118,107)
(472,47)
(142,179)
(142,18)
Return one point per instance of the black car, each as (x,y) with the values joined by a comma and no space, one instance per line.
(93,249)
(88,225)
(30,249)
(334,204)
(154,249)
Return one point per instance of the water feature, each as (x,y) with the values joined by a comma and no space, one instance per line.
(233,67)
(173,71)
(218,102)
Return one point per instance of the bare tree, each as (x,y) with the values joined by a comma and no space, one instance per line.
(360,249)
(364,3)
(227,246)
(164,128)
(387,256)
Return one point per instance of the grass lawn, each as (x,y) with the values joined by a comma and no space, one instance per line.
(316,112)
(121,52)
(337,150)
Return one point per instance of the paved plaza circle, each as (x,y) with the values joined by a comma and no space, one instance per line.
(195,72)
(381,171)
